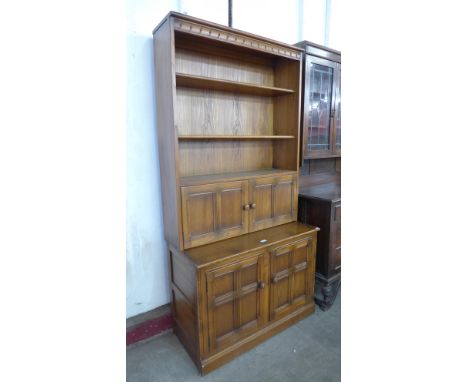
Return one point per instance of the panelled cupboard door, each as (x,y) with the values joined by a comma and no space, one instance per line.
(273,201)
(335,233)
(237,297)
(292,274)
(212,212)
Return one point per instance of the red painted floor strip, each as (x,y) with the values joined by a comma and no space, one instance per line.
(149,328)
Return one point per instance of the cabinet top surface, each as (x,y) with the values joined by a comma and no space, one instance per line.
(206,23)
(329,191)
(305,43)
(212,253)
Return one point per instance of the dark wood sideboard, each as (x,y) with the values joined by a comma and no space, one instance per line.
(320,205)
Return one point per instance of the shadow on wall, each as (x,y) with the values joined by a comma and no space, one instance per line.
(147,260)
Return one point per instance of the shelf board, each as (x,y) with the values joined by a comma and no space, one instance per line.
(233,137)
(191,81)
(227,177)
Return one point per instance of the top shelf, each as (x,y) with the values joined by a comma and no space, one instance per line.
(191,81)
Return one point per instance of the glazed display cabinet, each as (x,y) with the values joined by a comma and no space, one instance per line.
(320,179)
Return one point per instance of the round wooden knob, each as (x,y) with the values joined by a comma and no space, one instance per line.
(247,206)
(253,205)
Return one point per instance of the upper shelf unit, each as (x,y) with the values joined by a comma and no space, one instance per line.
(199,82)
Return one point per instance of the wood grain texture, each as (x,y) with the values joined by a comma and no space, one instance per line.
(275,201)
(233,137)
(327,215)
(199,82)
(286,115)
(230,176)
(228,125)
(167,140)
(212,212)
(220,33)
(208,64)
(219,157)
(205,112)
(223,252)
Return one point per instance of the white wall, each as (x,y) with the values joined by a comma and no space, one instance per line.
(286,21)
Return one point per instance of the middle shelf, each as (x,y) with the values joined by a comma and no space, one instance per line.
(191,81)
(233,137)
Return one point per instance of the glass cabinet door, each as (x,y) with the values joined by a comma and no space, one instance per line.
(337,119)
(319,108)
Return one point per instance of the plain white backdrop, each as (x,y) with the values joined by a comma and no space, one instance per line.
(63,210)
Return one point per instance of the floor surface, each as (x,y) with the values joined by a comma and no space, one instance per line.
(308,351)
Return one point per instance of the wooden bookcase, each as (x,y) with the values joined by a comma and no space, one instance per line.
(228,115)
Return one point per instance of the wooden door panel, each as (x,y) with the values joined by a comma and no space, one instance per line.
(237,300)
(263,194)
(273,201)
(212,212)
(231,213)
(284,195)
(292,271)
(199,206)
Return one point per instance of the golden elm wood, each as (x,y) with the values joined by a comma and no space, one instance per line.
(228,121)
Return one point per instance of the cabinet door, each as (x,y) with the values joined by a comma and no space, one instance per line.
(273,201)
(337,111)
(237,297)
(319,131)
(292,277)
(335,238)
(212,212)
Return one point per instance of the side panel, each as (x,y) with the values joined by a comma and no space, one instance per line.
(167,137)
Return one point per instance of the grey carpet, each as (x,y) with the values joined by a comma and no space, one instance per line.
(308,351)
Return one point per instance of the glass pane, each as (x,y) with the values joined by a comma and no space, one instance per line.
(321,85)
(338,117)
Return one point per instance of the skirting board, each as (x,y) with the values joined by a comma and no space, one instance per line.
(151,324)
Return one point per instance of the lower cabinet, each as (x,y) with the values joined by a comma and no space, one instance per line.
(230,296)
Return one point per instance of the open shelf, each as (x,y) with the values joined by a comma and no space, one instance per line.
(230,137)
(198,82)
(227,177)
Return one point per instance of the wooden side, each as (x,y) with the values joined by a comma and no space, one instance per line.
(184,302)
(167,136)
(286,115)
